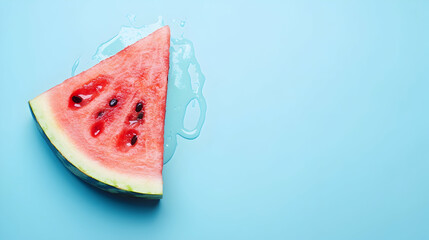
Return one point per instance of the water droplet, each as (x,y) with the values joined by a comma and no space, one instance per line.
(131,19)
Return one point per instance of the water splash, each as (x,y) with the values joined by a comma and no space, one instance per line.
(75,64)
(186,105)
(126,36)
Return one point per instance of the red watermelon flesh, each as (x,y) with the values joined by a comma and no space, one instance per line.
(108,122)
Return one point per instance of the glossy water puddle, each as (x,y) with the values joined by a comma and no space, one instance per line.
(186,106)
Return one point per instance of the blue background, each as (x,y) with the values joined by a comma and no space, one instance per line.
(316,128)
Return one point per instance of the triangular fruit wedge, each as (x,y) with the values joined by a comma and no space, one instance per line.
(107,124)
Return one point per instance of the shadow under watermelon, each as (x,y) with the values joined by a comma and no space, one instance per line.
(120,199)
(102,197)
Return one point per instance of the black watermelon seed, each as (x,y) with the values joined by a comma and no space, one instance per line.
(76,99)
(113,102)
(140,116)
(134,140)
(100,114)
(139,106)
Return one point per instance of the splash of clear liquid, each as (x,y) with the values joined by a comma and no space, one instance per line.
(186,104)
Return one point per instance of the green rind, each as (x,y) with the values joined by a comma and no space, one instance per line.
(90,180)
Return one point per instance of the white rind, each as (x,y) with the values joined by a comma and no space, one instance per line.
(83,162)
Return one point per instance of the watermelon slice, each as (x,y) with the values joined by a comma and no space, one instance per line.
(107,124)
